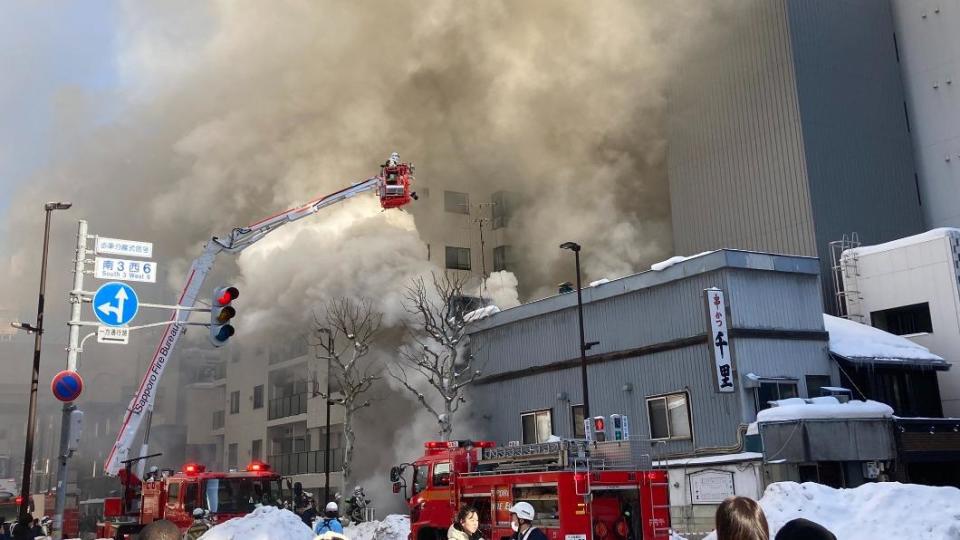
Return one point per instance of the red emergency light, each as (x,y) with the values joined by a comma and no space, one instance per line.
(193,468)
(19,500)
(440,445)
(484,444)
(257,466)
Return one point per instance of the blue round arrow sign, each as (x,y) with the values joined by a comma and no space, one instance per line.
(67,385)
(115,303)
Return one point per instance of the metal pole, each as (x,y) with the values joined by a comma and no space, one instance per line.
(24,511)
(326,453)
(73,351)
(583,345)
(142,464)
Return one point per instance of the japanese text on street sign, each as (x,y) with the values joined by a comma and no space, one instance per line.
(113,334)
(125,270)
(720,339)
(131,248)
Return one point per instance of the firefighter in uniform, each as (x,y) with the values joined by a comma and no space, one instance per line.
(521,519)
(199,526)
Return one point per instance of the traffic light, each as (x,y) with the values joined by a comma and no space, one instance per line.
(599,429)
(220,314)
(621,427)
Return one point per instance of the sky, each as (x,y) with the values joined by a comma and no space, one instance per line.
(49,52)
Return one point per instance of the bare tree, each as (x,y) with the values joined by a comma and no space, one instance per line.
(342,337)
(437,353)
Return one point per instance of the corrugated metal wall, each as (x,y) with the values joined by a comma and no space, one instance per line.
(774,300)
(736,158)
(858,150)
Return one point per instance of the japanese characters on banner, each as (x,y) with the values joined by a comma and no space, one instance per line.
(720,339)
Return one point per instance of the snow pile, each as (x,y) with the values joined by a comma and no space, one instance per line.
(824,407)
(663,265)
(932,234)
(875,510)
(393,527)
(481,313)
(854,340)
(264,523)
(871,511)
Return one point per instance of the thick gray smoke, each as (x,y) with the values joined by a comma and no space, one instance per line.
(226,112)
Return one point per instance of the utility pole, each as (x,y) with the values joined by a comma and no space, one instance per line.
(483,252)
(326,452)
(24,510)
(73,350)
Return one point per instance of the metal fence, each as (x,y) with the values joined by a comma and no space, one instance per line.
(305,462)
(288,406)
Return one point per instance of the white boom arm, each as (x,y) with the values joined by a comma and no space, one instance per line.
(238,240)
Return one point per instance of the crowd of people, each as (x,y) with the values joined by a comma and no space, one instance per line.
(741,518)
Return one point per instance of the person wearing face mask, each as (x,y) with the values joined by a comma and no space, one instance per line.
(466,526)
(521,519)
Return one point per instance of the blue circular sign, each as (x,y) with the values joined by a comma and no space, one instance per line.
(66,386)
(115,303)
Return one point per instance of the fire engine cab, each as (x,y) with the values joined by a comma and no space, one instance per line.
(579,490)
(173,497)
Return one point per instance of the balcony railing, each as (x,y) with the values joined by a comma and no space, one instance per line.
(305,462)
(288,406)
(218,419)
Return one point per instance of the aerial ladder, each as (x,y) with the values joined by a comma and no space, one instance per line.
(393,189)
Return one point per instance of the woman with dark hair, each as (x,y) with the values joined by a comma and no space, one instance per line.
(741,518)
(466,526)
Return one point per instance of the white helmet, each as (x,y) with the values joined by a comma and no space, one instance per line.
(331,507)
(154,468)
(198,512)
(523,510)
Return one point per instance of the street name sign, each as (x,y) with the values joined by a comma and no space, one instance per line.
(119,335)
(131,248)
(125,269)
(115,304)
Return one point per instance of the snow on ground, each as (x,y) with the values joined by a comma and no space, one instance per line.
(393,527)
(663,265)
(264,523)
(854,340)
(823,407)
(871,511)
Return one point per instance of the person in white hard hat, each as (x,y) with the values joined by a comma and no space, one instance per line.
(330,521)
(199,526)
(521,519)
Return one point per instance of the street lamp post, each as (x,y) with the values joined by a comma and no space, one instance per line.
(24,511)
(575,248)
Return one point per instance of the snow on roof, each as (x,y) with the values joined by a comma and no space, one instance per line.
(599,282)
(264,523)
(932,234)
(709,460)
(853,340)
(823,408)
(478,314)
(663,265)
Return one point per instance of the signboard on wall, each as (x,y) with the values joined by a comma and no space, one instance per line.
(719,339)
(710,486)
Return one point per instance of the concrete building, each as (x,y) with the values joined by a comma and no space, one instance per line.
(929,53)
(656,362)
(909,287)
(787,131)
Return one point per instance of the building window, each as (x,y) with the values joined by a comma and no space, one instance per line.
(502,258)
(904,320)
(458,258)
(258,397)
(537,426)
(256,449)
(456,202)
(774,390)
(234,402)
(815,383)
(504,203)
(669,417)
(576,411)
(232,456)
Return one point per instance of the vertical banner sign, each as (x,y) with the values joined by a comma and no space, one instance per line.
(720,339)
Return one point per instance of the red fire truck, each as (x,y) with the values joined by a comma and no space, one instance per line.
(580,490)
(173,497)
